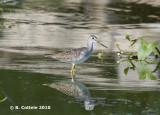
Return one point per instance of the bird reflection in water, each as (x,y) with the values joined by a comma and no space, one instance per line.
(74,89)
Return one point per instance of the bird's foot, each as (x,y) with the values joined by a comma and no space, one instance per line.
(72,80)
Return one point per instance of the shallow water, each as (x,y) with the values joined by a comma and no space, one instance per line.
(44,26)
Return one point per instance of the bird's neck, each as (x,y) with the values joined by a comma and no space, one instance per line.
(90,44)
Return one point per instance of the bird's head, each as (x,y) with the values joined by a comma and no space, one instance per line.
(89,105)
(94,38)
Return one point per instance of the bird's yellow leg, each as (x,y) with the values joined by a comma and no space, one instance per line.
(72,76)
(73,70)
(72,73)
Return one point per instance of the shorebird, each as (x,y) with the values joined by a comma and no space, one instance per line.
(74,89)
(78,55)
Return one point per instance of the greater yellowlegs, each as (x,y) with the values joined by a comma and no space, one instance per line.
(74,89)
(76,56)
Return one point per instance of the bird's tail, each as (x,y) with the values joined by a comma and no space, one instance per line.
(48,55)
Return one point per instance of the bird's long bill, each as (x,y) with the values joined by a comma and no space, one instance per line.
(102,44)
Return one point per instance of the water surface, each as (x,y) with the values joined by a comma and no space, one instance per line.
(45,26)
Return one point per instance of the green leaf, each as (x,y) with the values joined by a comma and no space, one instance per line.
(117,45)
(99,55)
(146,49)
(141,70)
(127,37)
(140,38)
(144,71)
(126,70)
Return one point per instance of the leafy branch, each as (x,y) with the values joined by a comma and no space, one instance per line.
(144,50)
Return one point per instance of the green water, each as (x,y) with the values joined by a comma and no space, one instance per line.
(28,79)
